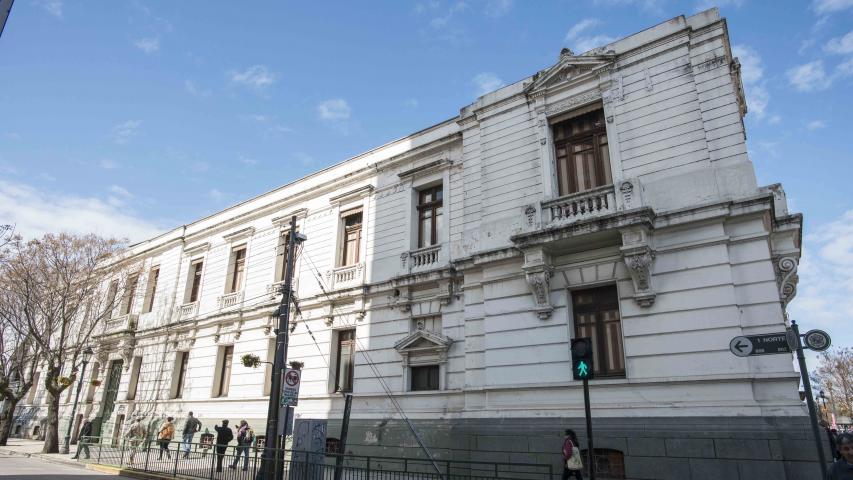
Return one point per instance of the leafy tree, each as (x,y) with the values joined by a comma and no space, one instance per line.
(53,296)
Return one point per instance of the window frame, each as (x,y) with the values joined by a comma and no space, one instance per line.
(337,386)
(129,294)
(605,298)
(436,209)
(434,373)
(224,368)
(358,230)
(133,381)
(237,269)
(182,359)
(151,289)
(194,278)
(594,137)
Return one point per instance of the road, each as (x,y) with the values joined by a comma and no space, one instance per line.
(29,468)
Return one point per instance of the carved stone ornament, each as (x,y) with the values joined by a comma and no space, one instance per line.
(639,260)
(627,189)
(530,214)
(539,281)
(786,278)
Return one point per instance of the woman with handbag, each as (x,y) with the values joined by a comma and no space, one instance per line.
(572,464)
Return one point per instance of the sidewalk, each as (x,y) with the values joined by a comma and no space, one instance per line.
(32,448)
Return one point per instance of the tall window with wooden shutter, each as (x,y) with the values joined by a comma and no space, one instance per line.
(196,269)
(583,160)
(596,312)
(129,294)
(223,371)
(236,270)
(281,256)
(112,293)
(346,361)
(179,374)
(351,237)
(430,202)
(151,291)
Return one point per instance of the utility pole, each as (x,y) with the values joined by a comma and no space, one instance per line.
(268,470)
(807,385)
(339,471)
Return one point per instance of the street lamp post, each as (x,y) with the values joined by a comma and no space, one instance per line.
(87,354)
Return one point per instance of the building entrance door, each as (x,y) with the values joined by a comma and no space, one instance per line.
(110,393)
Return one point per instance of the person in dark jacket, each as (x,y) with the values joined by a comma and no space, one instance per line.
(842,469)
(572,464)
(191,426)
(223,436)
(83,439)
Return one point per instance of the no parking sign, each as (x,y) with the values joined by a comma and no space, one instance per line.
(290,387)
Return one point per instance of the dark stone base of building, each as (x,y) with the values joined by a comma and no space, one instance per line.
(732,448)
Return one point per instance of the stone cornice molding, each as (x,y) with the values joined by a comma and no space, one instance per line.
(425,169)
(239,234)
(283,221)
(352,195)
(197,249)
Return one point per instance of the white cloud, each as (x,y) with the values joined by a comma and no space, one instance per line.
(195,91)
(334,109)
(498,8)
(256,77)
(108,164)
(119,196)
(35,212)
(248,161)
(842,45)
(825,290)
(809,77)
(215,194)
(487,82)
(649,5)
(578,39)
(148,45)
(578,28)
(120,191)
(774,119)
(752,75)
(815,125)
(442,21)
(53,7)
(305,159)
(829,6)
(124,131)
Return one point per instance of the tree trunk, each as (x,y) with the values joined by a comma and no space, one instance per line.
(6,417)
(51,434)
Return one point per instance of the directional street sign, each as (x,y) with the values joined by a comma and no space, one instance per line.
(817,340)
(765,344)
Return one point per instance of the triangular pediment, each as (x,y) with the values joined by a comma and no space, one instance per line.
(569,68)
(421,340)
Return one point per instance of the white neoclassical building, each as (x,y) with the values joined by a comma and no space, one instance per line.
(609,195)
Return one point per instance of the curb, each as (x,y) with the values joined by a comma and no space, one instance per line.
(86,466)
(41,456)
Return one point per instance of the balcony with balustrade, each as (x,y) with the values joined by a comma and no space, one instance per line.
(188,310)
(228,300)
(422,259)
(121,323)
(345,277)
(578,207)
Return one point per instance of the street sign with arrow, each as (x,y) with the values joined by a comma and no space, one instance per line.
(764,344)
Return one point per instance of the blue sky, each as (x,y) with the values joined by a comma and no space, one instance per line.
(130,118)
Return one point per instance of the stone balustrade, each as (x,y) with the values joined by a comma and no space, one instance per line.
(579,206)
(126,322)
(188,310)
(230,299)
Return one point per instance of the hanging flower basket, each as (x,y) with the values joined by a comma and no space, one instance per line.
(250,360)
(96,383)
(296,365)
(64,381)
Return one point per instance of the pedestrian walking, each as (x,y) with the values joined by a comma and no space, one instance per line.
(245,437)
(165,436)
(833,444)
(83,438)
(191,426)
(223,436)
(572,463)
(135,438)
(842,469)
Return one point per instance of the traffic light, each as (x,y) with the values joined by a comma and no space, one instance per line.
(582,368)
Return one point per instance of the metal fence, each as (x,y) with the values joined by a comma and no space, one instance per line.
(204,461)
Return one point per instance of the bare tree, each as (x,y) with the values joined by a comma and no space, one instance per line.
(19,357)
(835,377)
(55,286)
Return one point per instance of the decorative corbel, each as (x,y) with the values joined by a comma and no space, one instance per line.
(639,257)
(445,289)
(786,278)
(402,299)
(538,271)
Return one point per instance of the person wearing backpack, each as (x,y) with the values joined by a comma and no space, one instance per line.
(245,437)
(165,436)
(572,463)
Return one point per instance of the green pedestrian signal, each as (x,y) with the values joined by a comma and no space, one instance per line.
(583,370)
(582,366)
